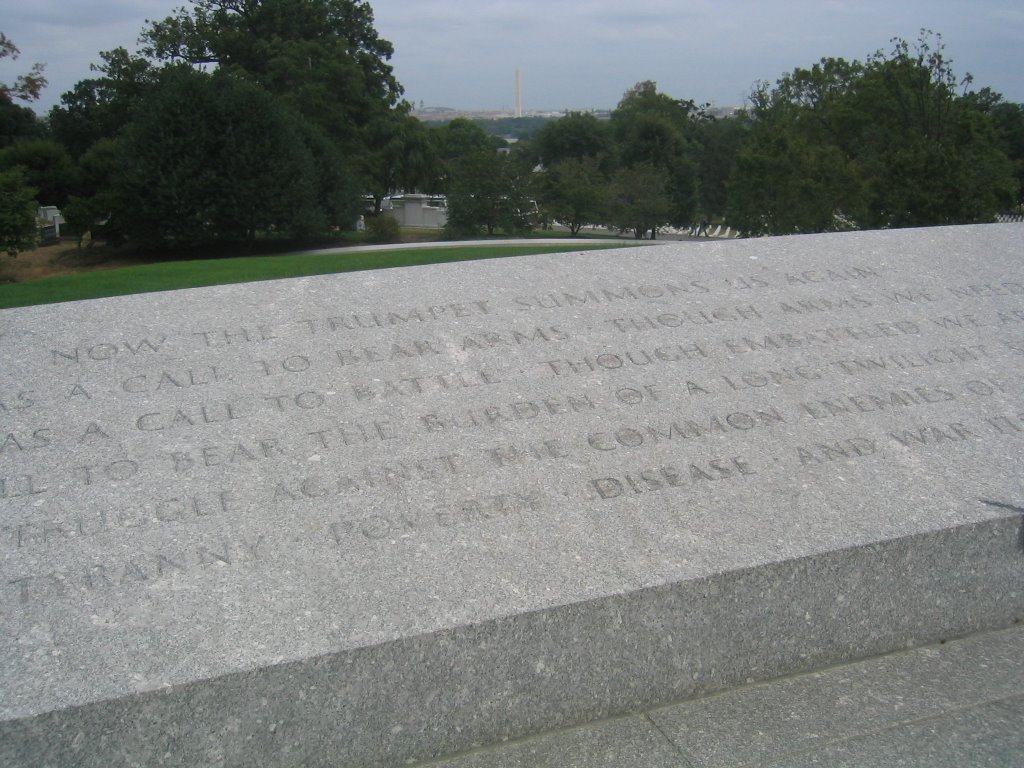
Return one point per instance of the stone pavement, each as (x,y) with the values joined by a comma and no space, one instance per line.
(952,705)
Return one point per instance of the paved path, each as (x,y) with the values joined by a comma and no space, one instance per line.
(583,242)
(955,705)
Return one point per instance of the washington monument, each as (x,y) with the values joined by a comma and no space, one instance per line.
(518,110)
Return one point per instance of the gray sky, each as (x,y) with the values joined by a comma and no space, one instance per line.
(578,53)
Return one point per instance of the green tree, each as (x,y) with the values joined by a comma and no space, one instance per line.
(640,199)
(452,143)
(95,208)
(338,194)
(323,58)
(784,184)
(644,98)
(213,158)
(400,156)
(886,143)
(47,168)
(575,136)
(100,107)
(574,192)
(720,140)
(487,192)
(1008,123)
(18,122)
(17,213)
(931,158)
(652,129)
(520,128)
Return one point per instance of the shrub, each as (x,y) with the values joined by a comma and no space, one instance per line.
(383,229)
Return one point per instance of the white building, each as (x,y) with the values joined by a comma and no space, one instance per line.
(417,210)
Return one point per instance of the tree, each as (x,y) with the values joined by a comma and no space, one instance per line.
(94,209)
(100,107)
(784,184)
(640,199)
(574,192)
(25,87)
(575,136)
(17,213)
(487,191)
(886,143)
(457,140)
(213,158)
(399,156)
(720,140)
(18,122)
(931,157)
(338,195)
(47,167)
(645,99)
(1008,124)
(654,130)
(323,58)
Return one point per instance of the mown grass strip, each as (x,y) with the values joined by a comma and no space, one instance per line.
(174,275)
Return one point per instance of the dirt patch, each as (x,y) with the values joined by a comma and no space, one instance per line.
(61,259)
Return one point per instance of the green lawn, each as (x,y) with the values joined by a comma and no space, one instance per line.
(171,275)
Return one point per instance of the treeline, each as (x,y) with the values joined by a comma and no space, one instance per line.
(281,118)
(233,121)
(895,141)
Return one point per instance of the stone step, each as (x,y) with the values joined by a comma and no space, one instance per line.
(951,705)
(483,683)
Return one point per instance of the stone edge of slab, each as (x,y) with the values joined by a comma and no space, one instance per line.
(432,695)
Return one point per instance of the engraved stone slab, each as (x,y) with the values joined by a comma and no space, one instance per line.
(367,518)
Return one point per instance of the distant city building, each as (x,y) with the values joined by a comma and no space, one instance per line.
(428,114)
(723,111)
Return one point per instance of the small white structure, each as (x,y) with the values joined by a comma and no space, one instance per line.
(50,232)
(430,212)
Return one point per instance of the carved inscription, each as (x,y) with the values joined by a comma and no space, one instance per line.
(672,478)
(354,424)
(137,569)
(177,510)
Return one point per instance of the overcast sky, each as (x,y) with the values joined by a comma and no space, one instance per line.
(578,54)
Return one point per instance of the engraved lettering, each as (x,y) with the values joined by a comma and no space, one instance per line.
(824,305)
(172,380)
(20,485)
(213,413)
(679,319)
(224,337)
(521,410)
(662,479)
(19,402)
(822,453)
(115,471)
(875,401)
(386,353)
(931,435)
(684,429)
(988,290)
(14,442)
(106,351)
(610,361)
(354,434)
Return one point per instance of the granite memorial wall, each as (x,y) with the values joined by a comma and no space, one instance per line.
(386,515)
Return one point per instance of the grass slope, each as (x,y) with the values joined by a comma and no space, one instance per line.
(172,275)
